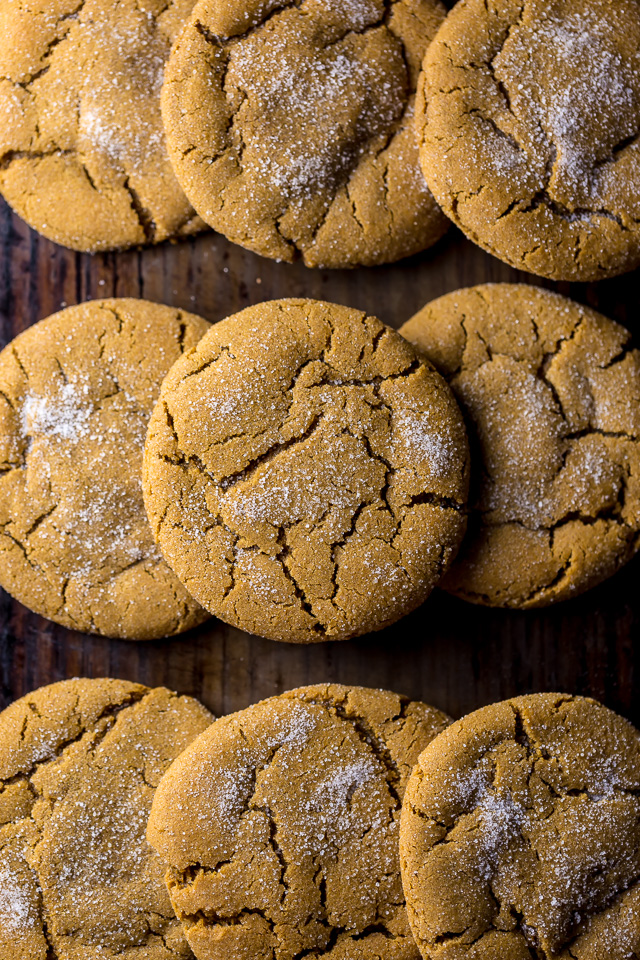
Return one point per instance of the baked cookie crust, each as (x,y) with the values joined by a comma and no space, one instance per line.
(280,827)
(551,394)
(520,835)
(290,126)
(305,474)
(76,393)
(82,150)
(79,764)
(528,115)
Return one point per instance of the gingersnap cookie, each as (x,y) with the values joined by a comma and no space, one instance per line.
(280,826)
(305,473)
(520,835)
(315,157)
(527,116)
(76,392)
(79,764)
(82,150)
(551,394)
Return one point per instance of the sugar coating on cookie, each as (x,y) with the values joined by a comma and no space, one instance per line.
(290,126)
(520,835)
(280,826)
(551,394)
(528,116)
(76,393)
(82,149)
(305,473)
(79,764)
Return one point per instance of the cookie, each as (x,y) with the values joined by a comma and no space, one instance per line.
(76,392)
(551,394)
(317,158)
(79,764)
(82,150)
(520,835)
(280,827)
(305,474)
(527,116)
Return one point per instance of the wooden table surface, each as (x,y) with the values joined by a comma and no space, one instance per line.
(449,653)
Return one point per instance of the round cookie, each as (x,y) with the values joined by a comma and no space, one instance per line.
(316,159)
(79,764)
(305,473)
(520,835)
(551,393)
(76,392)
(280,827)
(82,150)
(527,115)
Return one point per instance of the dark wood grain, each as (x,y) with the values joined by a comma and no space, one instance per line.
(449,653)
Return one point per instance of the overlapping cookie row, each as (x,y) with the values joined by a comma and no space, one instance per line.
(134,825)
(290,127)
(306,468)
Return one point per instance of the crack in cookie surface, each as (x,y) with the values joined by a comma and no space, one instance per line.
(317,159)
(305,475)
(536,108)
(79,764)
(82,149)
(550,390)
(517,835)
(272,825)
(76,393)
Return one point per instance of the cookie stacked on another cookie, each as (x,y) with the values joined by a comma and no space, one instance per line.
(280,826)
(82,148)
(306,472)
(79,764)
(76,392)
(290,126)
(527,116)
(520,835)
(551,394)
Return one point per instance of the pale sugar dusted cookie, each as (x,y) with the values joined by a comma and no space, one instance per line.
(290,126)
(528,114)
(82,150)
(79,764)
(520,835)
(76,392)
(305,473)
(551,394)
(280,827)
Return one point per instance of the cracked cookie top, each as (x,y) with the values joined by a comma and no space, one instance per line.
(79,764)
(82,150)
(76,393)
(528,116)
(290,126)
(551,394)
(520,835)
(305,473)
(280,827)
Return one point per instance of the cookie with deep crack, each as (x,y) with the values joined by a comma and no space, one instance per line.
(79,764)
(520,835)
(317,158)
(83,157)
(528,114)
(551,394)
(305,472)
(279,826)
(76,393)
